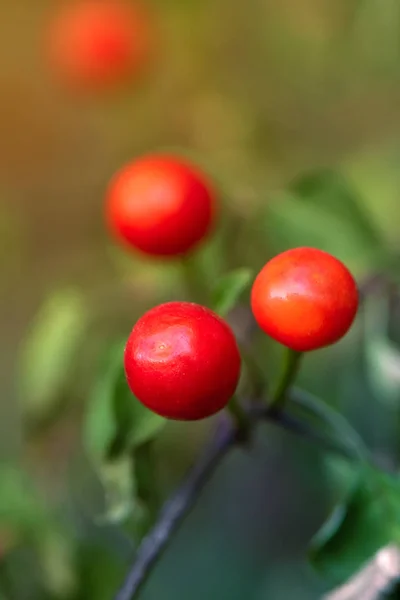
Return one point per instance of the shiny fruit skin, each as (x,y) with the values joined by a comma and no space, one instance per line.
(305,299)
(98,44)
(160,205)
(182,361)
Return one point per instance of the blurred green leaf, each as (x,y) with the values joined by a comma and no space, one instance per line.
(56,554)
(331,191)
(20,507)
(117,477)
(100,571)
(321,210)
(383,369)
(50,350)
(382,356)
(229,289)
(368,520)
(25,518)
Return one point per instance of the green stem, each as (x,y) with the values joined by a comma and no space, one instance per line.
(335,420)
(240,417)
(194,279)
(290,370)
(255,373)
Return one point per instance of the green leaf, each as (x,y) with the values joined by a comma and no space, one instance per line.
(368,520)
(117,426)
(21,510)
(229,290)
(383,369)
(116,421)
(50,351)
(101,427)
(117,477)
(56,554)
(382,356)
(321,210)
(332,192)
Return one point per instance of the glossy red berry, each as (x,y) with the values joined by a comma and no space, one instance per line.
(305,299)
(96,44)
(182,361)
(161,205)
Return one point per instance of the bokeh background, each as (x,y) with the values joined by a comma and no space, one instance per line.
(293,108)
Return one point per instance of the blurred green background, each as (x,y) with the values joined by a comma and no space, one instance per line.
(293,108)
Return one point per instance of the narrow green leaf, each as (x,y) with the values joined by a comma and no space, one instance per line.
(101,427)
(50,350)
(368,520)
(229,290)
(116,421)
(116,426)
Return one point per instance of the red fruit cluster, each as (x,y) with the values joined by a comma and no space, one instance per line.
(161,205)
(305,299)
(182,361)
(97,44)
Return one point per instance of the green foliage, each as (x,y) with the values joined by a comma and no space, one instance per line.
(116,425)
(366,521)
(229,290)
(116,421)
(321,210)
(20,507)
(49,352)
(118,480)
(25,519)
(56,554)
(382,356)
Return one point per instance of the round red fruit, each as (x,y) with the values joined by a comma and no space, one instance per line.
(96,44)
(305,299)
(160,205)
(182,361)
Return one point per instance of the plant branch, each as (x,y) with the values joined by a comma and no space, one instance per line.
(183,500)
(293,425)
(175,510)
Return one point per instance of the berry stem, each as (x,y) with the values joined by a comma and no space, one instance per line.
(194,279)
(255,373)
(290,369)
(240,418)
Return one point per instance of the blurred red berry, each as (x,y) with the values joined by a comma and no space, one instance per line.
(182,361)
(160,205)
(97,44)
(305,299)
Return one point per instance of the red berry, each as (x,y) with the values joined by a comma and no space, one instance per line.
(305,299)
(160,205)
(182,361)
(96,44)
